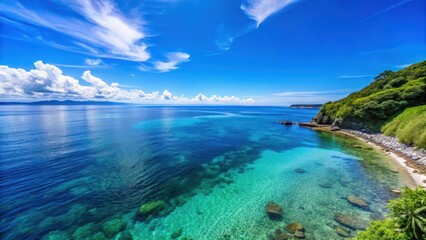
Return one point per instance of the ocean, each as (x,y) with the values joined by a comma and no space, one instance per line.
(83,172)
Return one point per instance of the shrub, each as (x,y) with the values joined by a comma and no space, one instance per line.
(409,212)
(406,221)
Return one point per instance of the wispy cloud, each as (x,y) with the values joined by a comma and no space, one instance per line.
(172,63)
(47,81)
(404,65)
(387,9)
(83,66)
(306,97)
(93,62)
(303,94)
(104,28)
(355,76)
(260,10)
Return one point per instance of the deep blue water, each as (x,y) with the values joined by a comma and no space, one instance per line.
(66,171)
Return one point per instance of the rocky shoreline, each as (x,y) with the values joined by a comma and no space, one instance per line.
(415,155)
(412,158)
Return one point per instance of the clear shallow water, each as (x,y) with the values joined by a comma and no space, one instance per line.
(66,171)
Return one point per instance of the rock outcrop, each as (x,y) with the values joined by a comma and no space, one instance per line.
(357,201)
(274,211)
(351,221)
(151,208)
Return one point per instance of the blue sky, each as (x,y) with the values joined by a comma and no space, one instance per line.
(266,52)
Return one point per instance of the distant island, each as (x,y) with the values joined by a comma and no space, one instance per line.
(65,102)
(313,106)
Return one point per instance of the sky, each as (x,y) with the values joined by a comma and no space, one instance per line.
(253,52)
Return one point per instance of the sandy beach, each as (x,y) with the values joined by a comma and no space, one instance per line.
(417,175)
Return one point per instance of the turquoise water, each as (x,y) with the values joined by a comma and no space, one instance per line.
(82,172)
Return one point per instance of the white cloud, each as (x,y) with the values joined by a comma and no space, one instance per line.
(355,76)
(103,28)
(404,65)
(260,10)
(47,81)
(303,94)
(387,9)
(93,62)
(173,60)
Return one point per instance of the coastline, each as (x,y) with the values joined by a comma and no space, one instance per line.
(411,159)
(406,162)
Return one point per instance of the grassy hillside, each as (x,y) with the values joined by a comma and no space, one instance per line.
(384,99)
(409,126)
(388,95)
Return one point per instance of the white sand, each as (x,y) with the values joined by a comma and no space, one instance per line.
(419,178)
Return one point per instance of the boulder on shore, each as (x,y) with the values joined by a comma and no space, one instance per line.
(334,128)
(351,221)
(274,211)
(307,124)
(151,208)
(357,201)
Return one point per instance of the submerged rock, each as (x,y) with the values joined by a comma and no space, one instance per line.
(351,221)
(274,211)
(299,170)
(357,201)
(281,236)
(299,234)
(57,235)
(113,227)
(125,236)
(98,236)
(294,227)
(176,233)
(325,185)
(84,231)
(151,208)
(343,232)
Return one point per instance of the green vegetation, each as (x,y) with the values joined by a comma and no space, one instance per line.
(387,96)
(409,126)
(406,221)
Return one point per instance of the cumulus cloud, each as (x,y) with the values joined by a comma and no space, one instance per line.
(260,10)
(47,81)
(93,62)
(103,30)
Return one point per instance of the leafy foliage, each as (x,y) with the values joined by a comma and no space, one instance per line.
(409,212)
(409,126)
(387,96)
(385,230)
(406,221)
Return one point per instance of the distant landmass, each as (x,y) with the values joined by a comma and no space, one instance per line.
(66,102)
(306,106)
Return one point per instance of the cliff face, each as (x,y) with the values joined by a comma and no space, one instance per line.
(387,96)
